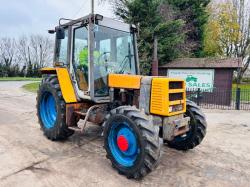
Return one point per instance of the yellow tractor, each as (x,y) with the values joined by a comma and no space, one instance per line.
(96,79)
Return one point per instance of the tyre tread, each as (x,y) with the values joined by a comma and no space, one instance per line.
(60,131)
(199,133)
(151,139)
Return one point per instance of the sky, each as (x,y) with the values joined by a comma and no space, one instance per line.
(24,17)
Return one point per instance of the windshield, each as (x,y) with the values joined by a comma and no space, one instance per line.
(113,53)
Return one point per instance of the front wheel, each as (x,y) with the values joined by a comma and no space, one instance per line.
(51,109)
(197,132)
(131,142)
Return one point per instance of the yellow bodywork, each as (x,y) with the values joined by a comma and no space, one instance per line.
(66,85)
(160,96)
(160,90)
(124,81)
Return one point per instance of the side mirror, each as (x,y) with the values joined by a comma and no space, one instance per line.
(60,33)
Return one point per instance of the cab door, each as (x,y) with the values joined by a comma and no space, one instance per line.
(79,60)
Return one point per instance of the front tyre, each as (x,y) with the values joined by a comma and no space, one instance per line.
(51,109)
(197,132)
(131,142)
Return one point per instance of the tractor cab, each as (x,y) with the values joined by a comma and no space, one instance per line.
(93,47)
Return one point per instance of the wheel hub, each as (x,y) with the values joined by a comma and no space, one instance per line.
(122,143)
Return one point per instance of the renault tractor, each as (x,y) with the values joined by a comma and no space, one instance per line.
(96,78)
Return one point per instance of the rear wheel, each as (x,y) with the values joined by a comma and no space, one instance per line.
(197,130)
(51,109)
(131,142)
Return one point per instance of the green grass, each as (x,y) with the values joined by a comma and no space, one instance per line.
(244,94)
(242,86)
(19,79)
(32,87)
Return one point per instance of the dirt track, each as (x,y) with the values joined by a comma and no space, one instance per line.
(27,158)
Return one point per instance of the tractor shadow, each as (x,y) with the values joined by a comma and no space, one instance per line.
(173,165)
(92,133)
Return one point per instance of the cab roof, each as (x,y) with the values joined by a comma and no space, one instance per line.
(100,20)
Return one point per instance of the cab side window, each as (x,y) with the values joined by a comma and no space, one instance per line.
(62,49)
(80,57)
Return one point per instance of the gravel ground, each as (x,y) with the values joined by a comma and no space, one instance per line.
(27,158)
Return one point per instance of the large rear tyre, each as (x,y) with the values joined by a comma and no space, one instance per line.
(51,109)
(197,130)
(131,141)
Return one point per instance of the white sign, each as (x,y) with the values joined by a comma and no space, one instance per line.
(195,78)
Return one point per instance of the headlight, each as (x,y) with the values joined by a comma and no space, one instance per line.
(175,108)
(170,108)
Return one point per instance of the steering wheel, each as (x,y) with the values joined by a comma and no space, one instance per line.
(103,55)
(107,64)
(125,63)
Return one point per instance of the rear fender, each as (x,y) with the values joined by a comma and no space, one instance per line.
(65,82)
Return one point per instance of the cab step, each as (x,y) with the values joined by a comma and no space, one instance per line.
(76,129)
(80,113)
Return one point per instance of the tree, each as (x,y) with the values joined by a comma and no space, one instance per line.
(25,56)
(242,47)
(146,14)
(195,15)
(171,38)
(29,72)
(22,50)
(41,49)
(35,52)
(227,32)
(7,52)
(222,31)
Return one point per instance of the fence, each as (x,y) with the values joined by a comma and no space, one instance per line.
(235,99)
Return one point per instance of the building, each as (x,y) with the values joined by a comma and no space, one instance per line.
(210,75)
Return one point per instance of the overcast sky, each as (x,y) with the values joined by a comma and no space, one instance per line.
(18,17)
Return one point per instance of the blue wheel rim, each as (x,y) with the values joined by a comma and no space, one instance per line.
(128,157)
(48,111)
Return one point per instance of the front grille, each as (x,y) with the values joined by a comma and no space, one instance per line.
(156,96)
(166,94)
(175,96)
(175,85)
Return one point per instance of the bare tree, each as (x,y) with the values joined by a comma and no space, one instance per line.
(36,49)
(7,53)
(241,49)
(41,50)
(7,50)
(31,53)
(23,51)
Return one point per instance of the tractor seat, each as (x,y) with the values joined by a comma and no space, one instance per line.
(83,84)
